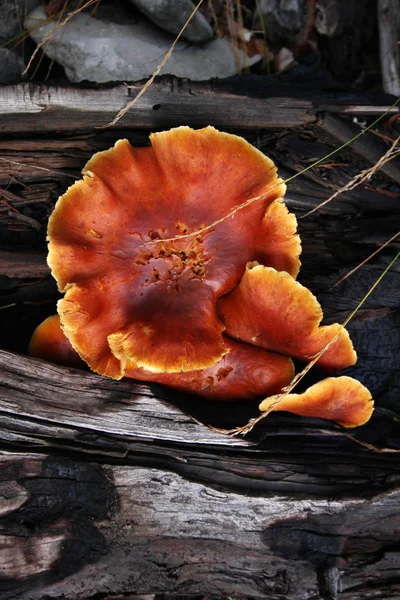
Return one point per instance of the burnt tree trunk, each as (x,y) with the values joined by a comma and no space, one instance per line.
(110,489)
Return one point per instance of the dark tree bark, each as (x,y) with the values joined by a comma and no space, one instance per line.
(110,489)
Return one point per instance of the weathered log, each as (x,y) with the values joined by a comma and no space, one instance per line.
(161,504)
(389,29)
(76,529)
(111,488)
(372,152)
(166,505)
(23,265)
(47,405)
(169,103)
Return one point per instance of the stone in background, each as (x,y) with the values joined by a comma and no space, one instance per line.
(12,16)
(171,15)
(11,66)
(282,18)
(98,49)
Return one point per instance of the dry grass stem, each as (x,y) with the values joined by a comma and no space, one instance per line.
(311,166)
(230,19)
(212,225)
(214,17)
(148,83)
(243,430)
(371,446)
(267,52)
(396,235)
(48,37)
(362,177)
(64,8)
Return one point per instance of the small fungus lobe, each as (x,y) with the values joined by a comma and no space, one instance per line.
(49,342)
(341,399)
(270,309)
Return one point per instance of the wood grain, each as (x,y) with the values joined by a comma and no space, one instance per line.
(111,489)
(114,529)
(23,265)
(168,103)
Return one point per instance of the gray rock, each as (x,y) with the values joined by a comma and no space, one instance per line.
(283,18)
(11,67)
(94,50)
(327,18)
(171,15)
(12,16)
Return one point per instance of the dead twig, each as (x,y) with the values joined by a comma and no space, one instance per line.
(31,166)
(361,177)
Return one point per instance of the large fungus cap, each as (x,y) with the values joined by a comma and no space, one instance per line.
(134,294)
(271,310)
(341,399)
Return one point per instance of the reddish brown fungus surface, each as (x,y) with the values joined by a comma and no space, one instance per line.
(270,309)
(132,292)
(341,399)
(244,373)
(178,265)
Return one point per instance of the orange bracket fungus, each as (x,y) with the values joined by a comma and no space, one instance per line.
(178,264)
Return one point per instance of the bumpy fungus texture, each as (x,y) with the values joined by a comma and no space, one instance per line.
(167,253)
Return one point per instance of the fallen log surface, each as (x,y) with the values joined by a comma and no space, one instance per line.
(76,529)
(170,102)
(112,489)
(123,491)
